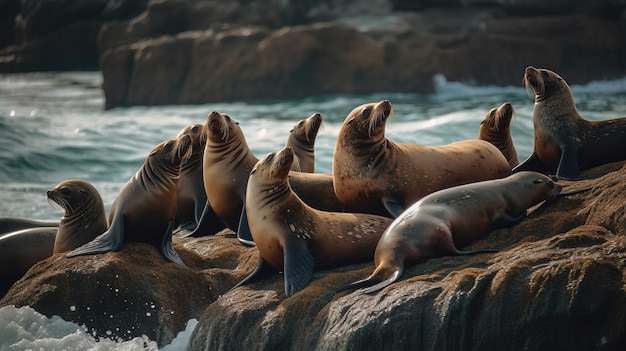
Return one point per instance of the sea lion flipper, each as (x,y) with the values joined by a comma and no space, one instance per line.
(298,267)
(532,163)
(262,271)
(504,219)
(167,250)
(111,240)
(393,207)
(568,164)
(200,222)
(243,230)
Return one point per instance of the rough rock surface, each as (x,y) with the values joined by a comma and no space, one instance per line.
(196,51)
(558,283)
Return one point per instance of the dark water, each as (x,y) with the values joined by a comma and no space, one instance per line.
(53,127)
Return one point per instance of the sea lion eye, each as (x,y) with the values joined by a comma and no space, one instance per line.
(545,74)
(65,191)
(366,113)
(194,129)
(270,157)
(301,124)
(537,181)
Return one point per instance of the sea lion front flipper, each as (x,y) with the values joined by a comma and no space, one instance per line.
(111,240)
(568,164)
(200,222)
(532,163)
(243,230)
(298,268)
(393,207)
(167,250)
(262,271)
(504,219)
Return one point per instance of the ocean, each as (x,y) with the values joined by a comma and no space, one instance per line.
(53,127)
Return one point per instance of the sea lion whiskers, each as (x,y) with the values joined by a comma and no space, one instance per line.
(533,82)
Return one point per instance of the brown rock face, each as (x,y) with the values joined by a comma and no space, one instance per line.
(557,283)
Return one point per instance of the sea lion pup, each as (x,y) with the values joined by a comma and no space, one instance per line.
(145,208)
(372,174)
(84,219)
(454,217)
(496,129)
(566,143)
(11,224)
(191,197)
(295,238)
(302,140)
(227,164)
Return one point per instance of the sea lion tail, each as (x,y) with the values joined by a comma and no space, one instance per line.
(474,252)
(381,278)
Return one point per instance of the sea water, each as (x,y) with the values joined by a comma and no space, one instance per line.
(53,127)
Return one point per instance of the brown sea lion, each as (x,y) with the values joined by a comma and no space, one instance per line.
(144,210)
(295,238)
(565,143)
(190,194)
(11,224)
(373,174)
(302,140)
(83,220)
(496,129)
(441,222)
(227,164)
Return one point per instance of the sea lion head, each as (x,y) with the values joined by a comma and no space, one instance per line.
(499,118)
(220,128)
(533,187)
(275,165)
(543,83)
(169,155)
(73,195)
(198,136)
(368,120)
(306,129)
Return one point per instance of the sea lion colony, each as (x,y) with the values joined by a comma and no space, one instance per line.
(417,217)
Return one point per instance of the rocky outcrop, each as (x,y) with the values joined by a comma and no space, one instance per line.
(557,283)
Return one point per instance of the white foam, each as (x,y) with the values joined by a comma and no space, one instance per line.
(26,329)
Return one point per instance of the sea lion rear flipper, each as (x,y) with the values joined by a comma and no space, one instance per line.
(262,271)
(167,250)
(393,207)
(298,266)
(568,164)
(532,163)
(111,240)
(243,230)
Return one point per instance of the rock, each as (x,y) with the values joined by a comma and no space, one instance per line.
(557,284)
(134,292)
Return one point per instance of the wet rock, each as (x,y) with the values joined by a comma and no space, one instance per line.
(557,283)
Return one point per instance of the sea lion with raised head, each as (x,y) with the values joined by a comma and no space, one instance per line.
(566,143)
(302,140)
(295,238)
(227,164)
(373,174)
(190,194)
(496,129)
(145,208)
(84,219)
(440,223)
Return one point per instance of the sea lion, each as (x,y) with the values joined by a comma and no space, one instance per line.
(83,220)
(373,174)
(10,224)
(441,222)
(84,217)
(190,194)
(295,238)
(227,164)
(566,143)
(20,250)
(145,208)
(302,140)
(496,129)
